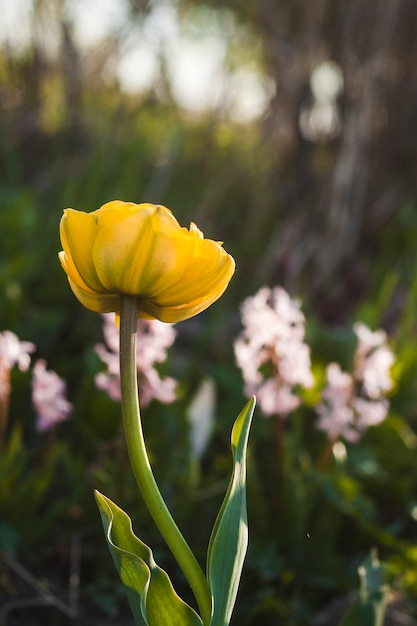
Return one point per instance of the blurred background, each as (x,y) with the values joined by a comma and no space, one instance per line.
(285,129)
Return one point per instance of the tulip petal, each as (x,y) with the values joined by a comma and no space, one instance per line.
(97,302)
(138,254)
(78,232)
(116,205)
(70,269)
(173,314)
(208,271)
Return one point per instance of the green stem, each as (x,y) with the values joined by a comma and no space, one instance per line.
(140,462)
(4,404)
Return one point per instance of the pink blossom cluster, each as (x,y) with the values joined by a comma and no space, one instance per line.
(49,397)
(351,402)
(48,389)
(271,352)
(153,340)
(13,352)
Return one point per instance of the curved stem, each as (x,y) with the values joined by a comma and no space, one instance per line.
(140,462)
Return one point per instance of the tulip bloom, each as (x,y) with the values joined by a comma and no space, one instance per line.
(141,250)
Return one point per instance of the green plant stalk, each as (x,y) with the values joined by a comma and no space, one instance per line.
(140,462)
(4,408)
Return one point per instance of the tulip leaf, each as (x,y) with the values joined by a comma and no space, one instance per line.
(229,538)
(369,607)
(151,595)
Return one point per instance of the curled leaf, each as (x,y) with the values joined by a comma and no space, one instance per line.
(151,595)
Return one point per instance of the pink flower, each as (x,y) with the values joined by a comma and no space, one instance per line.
(276,398)
(351,403)
(373,361)
(154,338)
(372,412)
(48,397)
(368,339)
(271,351)
(13,352)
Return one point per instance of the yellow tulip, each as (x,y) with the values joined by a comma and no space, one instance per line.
(141,250)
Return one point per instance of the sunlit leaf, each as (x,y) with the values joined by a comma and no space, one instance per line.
(151,595)
(229,539)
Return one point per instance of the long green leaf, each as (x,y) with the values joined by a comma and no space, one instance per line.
(151,595)
(229,538)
